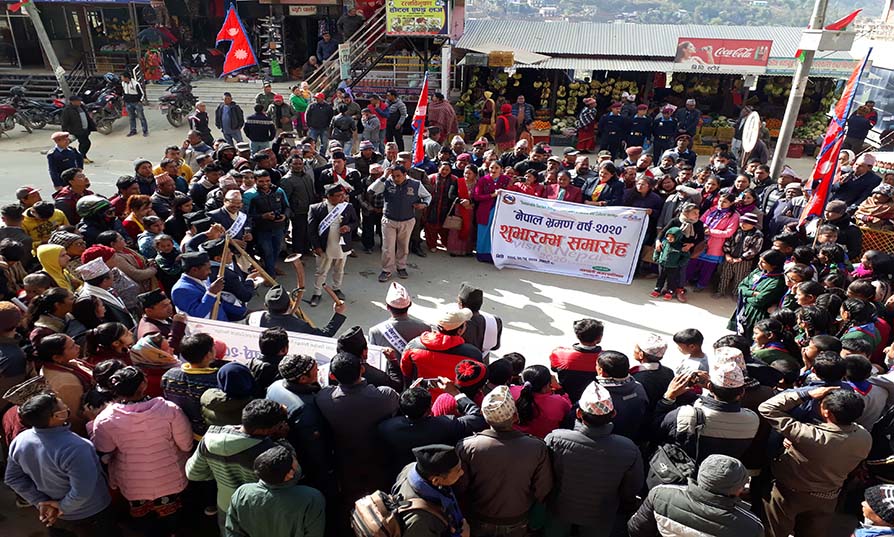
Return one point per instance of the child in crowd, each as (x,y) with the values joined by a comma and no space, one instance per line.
(807,292)
(769,343)
(167,259)
(794,276)
(689,343)
(805,255)
(832,258)
(146,239)
(575,367)
(517,360)
(740,252)
(670,259)
(858,369)
(655,378)
(878,512)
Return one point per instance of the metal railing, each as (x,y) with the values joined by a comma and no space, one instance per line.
(363,46)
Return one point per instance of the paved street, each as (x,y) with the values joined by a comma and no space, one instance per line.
(537,309)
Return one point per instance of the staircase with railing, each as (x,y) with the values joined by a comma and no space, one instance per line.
(365,50)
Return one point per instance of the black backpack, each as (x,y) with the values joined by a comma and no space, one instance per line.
(670,464)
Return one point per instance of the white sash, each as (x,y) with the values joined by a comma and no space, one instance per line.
(254,319)
(332,216)
(394,338)
(490,333)
(238,224)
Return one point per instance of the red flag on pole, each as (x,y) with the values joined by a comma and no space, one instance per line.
(17,6)
(840,24)
(240,54)
(827,162)
(419,124)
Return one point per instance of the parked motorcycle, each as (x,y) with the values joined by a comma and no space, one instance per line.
(178,101)
(9,116)
(39,113)
(107,105)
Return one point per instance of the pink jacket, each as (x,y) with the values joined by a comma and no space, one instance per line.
(148,444)
(718,230)
(552,409)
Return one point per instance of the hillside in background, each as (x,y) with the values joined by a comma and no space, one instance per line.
(744,13)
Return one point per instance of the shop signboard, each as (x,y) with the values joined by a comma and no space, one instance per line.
(302,11)
(416,17)
(92,1)
(558,237)
(707,55)
(826,67)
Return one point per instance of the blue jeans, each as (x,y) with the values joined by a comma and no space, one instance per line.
(135,110)
(257,146)
(321,136)
(270,242)
(232,137)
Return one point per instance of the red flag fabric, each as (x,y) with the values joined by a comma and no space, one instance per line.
(240,54)
(17,6)
(827,163)
(419,124)
(840,24)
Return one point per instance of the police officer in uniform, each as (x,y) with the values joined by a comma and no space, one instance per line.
(640,128)
(664,130)
(613,128)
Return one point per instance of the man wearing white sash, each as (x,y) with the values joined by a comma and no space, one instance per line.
(231,217)
(397,331)
(483,330)
(330,225)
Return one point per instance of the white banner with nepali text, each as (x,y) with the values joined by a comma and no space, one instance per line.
(242,344)
(573,239)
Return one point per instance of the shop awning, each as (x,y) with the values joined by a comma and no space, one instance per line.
(597,64)
(521,56)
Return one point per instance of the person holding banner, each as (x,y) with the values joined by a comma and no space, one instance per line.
(485,195)
(331,224)
(194,294)
(606,189)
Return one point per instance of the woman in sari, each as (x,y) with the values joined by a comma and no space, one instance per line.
(461,242)
(485,194)
(138,208)
(443,196)
(54,260)
(877,211)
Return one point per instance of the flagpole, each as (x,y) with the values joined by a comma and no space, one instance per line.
(796,95)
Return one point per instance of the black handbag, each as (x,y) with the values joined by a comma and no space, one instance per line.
(670,464)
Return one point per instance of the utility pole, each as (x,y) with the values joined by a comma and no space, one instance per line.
(31,10)
(799,84)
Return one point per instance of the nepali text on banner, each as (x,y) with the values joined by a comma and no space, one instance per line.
(597,243)
(242,344)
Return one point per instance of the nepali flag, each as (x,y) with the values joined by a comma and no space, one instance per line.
(17,6)
(827,163)
(419,124)
(240,54)
(838,25)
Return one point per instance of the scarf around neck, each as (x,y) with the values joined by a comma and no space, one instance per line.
(442,496)
(687,226)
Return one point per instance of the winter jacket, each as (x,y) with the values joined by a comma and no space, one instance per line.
(237,118)
(612,193)
(728,428)
(284,510)
(718,228)
(343,127)
(504,474)
(821,456)
(299,190)
(226,455)
(259,128)
(401,434)
(148,443)
(318,116)
(551,411)
(417,523)
(353,412)
(273,201)
(596,473)
(70,119)
(308,432)
(184,386)
(671,255)
(397,113)
(434,354)
(677,510)
(575,368)
(744,244)
(655,378)
(315,216)
(631,405)
(218,408)
(59,160)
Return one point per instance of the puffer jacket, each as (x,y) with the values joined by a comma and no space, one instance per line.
(434,354)
(596,475)
(718,228)
(631,404)
(729,429)
(147,443)
(672,510)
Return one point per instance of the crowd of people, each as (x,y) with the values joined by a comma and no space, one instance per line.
(115,415)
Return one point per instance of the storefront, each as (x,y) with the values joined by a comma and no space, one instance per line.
(557,65)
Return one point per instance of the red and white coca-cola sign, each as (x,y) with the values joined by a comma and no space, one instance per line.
(712,52)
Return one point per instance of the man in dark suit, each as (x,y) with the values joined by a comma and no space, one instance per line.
(232,218)
(330,225)
(76,120)
(98,279)
(236,283)
(855,187)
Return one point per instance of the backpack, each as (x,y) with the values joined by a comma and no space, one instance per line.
(670,465)
(379,514)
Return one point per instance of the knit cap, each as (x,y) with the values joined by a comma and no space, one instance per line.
(498,406)
(235,380)
(469,373)
(721,474)
(97,251)
(881,499)
(64,238)
(293,366)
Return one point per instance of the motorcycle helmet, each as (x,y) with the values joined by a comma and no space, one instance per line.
(17,91)
(92,205)
(111,78)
